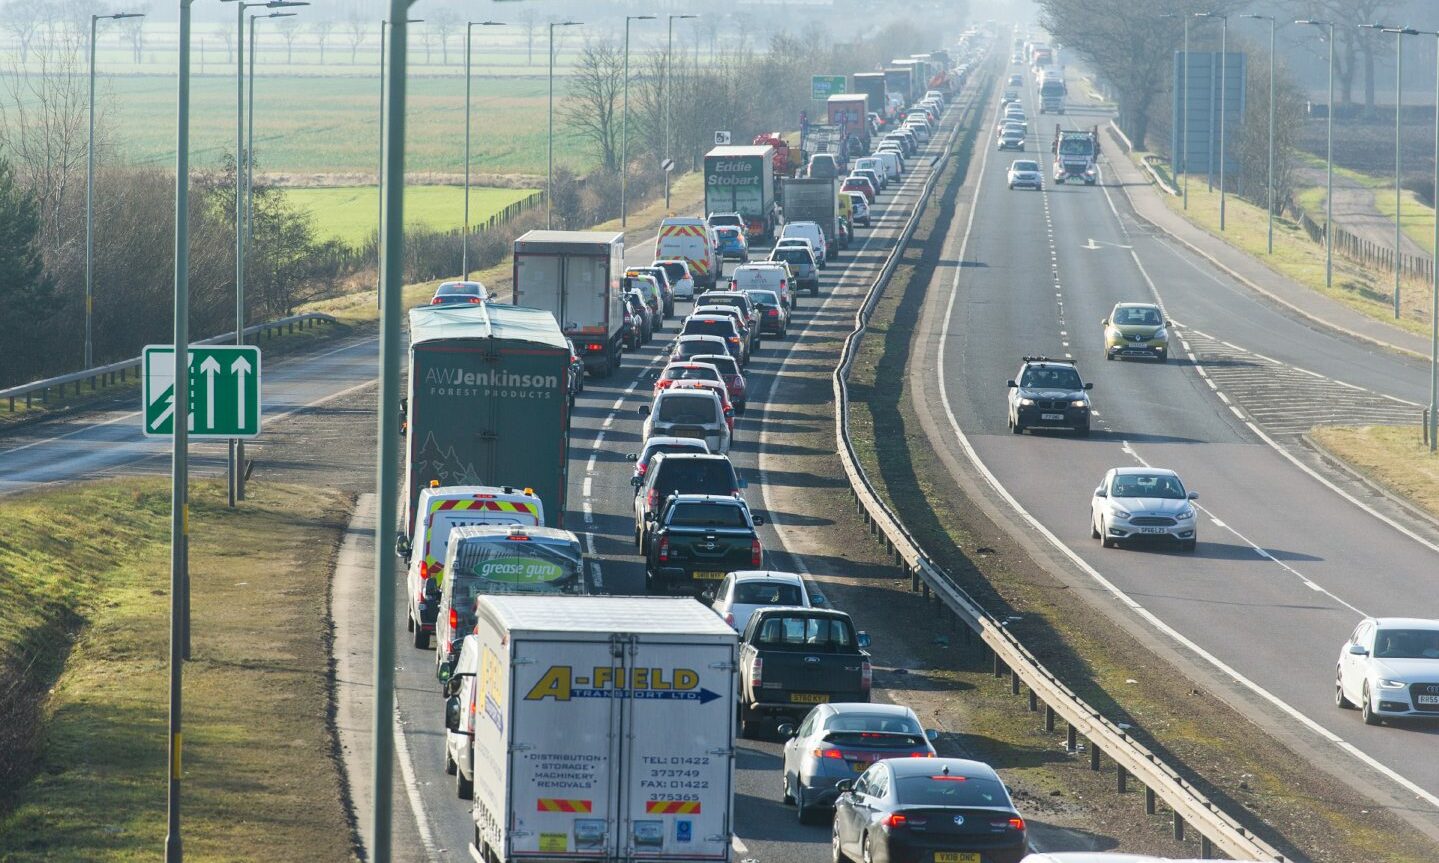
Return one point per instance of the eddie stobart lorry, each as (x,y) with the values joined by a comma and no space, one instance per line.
(603,730)
(741,180)
(488,403)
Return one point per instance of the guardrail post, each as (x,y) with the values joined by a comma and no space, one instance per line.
(45,396)
(1121,779)
(914,573)
(1149,800)
(1206,848)
(998,665)
(1033,701)
(1071,740)
(1093,756)
(92,383)
(1178,827)
(925,588)
(1048,719)
(1013,682)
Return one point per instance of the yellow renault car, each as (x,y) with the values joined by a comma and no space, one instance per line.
(1136,330)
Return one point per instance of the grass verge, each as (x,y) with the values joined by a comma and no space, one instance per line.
(84,612)
(1395,457)
(349,213)
(1302,811)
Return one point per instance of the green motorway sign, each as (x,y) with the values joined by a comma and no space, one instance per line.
(224,391)
(821,87)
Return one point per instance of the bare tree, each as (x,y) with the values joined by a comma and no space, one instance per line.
(322,30)
(592,108)
(226,33)
(427,39)
(1354,47)
(24,18)
(530,20)
(134,30)
(446,21)
(289,31)
(356,28)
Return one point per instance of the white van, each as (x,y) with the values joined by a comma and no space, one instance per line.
(810,231)
(768,276)
(892,162)
(691,239)
(441,509)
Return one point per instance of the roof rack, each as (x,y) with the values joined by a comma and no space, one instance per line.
(1069,362)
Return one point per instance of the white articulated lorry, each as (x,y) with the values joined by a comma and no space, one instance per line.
(603,730)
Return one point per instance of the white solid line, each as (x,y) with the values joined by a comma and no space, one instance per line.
(412,788)
(585,487)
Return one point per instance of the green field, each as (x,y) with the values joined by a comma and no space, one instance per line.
(348,213)
(306,125)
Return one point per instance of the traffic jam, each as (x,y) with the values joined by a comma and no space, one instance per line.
(583,724)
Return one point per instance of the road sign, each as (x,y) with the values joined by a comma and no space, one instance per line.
(721,139)
(667,165)
(224,391)
(821,87)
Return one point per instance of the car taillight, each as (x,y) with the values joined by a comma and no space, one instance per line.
(1016,824)
(641,468)
(594,347)
(866,671)
(664,549)
(424,571)
(454,620)
(826,753)
(476,300)
(756,555)
(652,498)
(734,339)
(729,618)
(772,313)
(756,673)
(897,820)
(436,301)
(921,755)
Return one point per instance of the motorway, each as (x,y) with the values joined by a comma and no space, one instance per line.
(1286,565)
(605,427)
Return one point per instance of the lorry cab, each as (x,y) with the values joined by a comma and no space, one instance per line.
(497,559)
(439,511)
(691,239)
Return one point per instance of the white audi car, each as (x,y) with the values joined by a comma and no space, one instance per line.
(1389,668)
(1025,172)
(1138,503)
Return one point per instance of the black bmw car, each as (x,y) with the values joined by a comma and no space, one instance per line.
(927,810)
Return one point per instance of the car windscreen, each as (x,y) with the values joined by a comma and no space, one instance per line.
(688,349)
(1158,485)
(695,476)
(710,326)
(943,790)
(1026,166)
(708,515)
(764,298)
(872,722)
(695,445)
(697,409)
(726,364)
(1050,379)
(691,373)
(1076,147)
(802,632)
(1406,644)
(793,255)
(768,593)
(676,270)
(459,289)
(1137,317)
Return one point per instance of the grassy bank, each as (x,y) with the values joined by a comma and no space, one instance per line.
(84,607)
(349,213)
(1395,457)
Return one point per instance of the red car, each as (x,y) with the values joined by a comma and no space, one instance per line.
(861,185)
(729,371)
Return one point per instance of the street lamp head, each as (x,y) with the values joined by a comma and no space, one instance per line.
(681,17)
(1259,17)
(118,15)
(276,15)
(285,4)
(640,17)
(489,23)
(568,23)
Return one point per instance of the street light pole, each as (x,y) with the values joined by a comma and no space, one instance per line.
(1223,87)
(379,182)
(89,359)
(669,62)
(625,125)
(1399,34)
(465,234)
(1184,143)
(550,137)
(1270,181)
(1433,418)
(1328,158)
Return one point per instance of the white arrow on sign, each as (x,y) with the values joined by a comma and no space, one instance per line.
(209,368)
(169,399)
(239,368)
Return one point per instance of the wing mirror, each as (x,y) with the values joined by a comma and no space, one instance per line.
(632,456)
(844,786)
(758,520)
(637,481)
(1358,650)
(932,733)
(654,376)
(787,730)
(452,713)
(1011,384)
(644,410)
(863,639)
(1089,386)
(402,546)
(1100,492)
(1104,321)
(1194,495)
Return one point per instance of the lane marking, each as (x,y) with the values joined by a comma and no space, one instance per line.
(412,787)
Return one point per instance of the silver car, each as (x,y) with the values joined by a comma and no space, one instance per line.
(841,741)
(1389,668)
(1138,503)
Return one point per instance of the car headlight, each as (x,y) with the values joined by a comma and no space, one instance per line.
(1026,402)
(1392,684)
(1112,333)
(1160,333)
(1079,403)
(1120,512)
(1185,514)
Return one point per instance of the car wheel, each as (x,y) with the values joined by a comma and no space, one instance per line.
(748,729)
(1104,538)
(835,854)
(1082,431)
(865,851)
(1016,428)
(450,767)
(422,638)
(409,624)
(1093,531)
(1189,545)
(1163,356)
(786,797)
(464,788)
(1340,700)
(1108,356)
(639,537)
(1366,709)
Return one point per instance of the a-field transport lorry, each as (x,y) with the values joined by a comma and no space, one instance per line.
(488,403)
(575,276)
(850,112)
(740,180)
(604,730)
(814,199)
(1076,155)
(871,84)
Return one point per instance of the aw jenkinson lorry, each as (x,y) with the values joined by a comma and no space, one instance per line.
(575,276)
(740,180)
(603,730)
(488,403)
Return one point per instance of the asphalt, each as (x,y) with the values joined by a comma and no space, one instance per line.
(1286,565)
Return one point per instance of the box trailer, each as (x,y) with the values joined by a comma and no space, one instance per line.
(871,84)
(899,79)
(603,731)
(488,403)
(814,199)
(741,180)
(850,112)
(575,276)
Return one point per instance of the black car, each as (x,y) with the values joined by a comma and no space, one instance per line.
(698,539)
(1049,394)
(928,810)
(679,473)
(641,319)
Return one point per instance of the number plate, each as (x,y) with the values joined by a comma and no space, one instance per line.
(1151,530)
(860,766)
(808,698)
(956,857)
(1428,699)
(1058,417)
(708,575)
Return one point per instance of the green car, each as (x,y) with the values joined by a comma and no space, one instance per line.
(1136,330)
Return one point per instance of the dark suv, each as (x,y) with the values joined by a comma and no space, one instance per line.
(680,473)
(1049,394)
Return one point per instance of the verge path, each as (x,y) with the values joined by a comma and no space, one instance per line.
(1355,212)
(1253,272)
